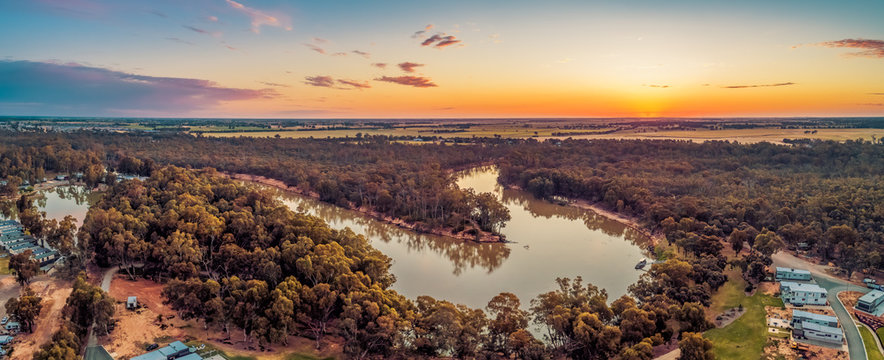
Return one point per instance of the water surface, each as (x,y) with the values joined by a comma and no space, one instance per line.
(548,241)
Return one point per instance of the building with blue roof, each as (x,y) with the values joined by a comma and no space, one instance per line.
(175,350)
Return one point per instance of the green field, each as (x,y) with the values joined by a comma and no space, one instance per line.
(870,343)
(744,339)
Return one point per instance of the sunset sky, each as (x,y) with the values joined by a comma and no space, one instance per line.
(370,59)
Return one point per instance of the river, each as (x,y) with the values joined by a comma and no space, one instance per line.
(63,200)
(547,241)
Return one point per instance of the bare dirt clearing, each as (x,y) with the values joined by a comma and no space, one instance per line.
(54,293)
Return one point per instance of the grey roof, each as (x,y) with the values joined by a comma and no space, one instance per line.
(794,271)
(814,316)
(794,286)
(872,296)
(191,356)
(820,328)
(164,353)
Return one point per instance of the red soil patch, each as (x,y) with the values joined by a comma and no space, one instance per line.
(55,294)
(135,329)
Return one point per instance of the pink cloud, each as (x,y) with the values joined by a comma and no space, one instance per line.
(260,18)
(416,81)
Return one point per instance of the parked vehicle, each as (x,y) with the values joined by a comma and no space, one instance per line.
(152,347)
(4,320)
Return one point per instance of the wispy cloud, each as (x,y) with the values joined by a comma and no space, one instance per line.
(869,48)
(757,85)
(880,93)
(440,40)
(565,60)
(355,84)
(330,82)
(177,40)
(320,81)
(202,31)
(872,104)
(273,84)
(212,18)
(315,48)
(77,8)
(380,65)
(362,53)
(74,89)
(260,18)
(409,66)
(657,86)
(157,13)
(420,33)
(416,81)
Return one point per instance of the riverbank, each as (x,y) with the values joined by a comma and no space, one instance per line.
(481,236)
(630,221)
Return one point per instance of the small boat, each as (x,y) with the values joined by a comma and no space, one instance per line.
(641,264)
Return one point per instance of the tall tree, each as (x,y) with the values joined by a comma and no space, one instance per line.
(25,308)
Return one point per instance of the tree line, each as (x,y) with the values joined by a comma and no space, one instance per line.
(824,197)
(236,259)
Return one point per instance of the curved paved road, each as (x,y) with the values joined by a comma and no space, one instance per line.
(834,286)
(105,285)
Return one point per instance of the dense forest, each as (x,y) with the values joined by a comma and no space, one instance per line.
(21,162)
(235,258)
(412,183)
(824,197)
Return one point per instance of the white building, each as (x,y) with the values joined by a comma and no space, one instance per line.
(816,332)
(784,273)
(802,294)
(799,316)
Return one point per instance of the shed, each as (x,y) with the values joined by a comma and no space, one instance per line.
(132,302)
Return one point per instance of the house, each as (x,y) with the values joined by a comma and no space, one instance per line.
(799,316)
(784,273)
(870,302)
(13,327)
(131,303)
(816,332)
(175,350)
(802,293)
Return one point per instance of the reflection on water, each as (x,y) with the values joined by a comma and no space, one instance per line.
(59,202)
(392,239)
(548,241)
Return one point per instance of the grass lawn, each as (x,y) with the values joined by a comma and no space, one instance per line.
(4,266)
(881,334)
(869,342)
(744,338)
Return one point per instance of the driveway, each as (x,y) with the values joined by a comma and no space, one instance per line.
(834,286)
(105,285)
